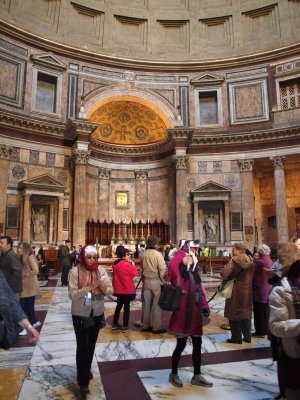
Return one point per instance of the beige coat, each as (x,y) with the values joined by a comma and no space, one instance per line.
(282,318)
(78,295)
(239,306)
(29,276)
(153,265)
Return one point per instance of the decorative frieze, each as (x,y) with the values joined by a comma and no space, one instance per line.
(81,156)
(141,174)
(245,165)
(5,151)
(181,162)
(104,173)
(278,162)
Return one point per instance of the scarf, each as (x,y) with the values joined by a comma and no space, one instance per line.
(87,273)
(296,298)
(194,286)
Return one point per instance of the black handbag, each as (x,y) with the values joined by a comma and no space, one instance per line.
(170,297)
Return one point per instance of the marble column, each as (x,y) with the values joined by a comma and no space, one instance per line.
(246,169)
(280,198)
(60,220)
(5,152)
(104,176)
(26,219)
(196,220)
(227,223)
(181,163)
(141,194)
(80,193)
(172,203)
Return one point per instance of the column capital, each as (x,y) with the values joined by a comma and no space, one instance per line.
(5,151)
(245,165)
(181,162)
(226,202)
(104,173)
(278,162)
(141,174)
(81,156)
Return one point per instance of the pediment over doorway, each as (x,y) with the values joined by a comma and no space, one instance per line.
(42,183)
(211,190)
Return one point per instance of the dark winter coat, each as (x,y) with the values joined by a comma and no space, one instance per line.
(261,288)
(12,270)
(239,306)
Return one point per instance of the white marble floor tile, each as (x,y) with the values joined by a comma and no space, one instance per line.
(16,357)
(247,380)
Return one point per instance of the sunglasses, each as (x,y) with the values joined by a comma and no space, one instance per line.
(95,258)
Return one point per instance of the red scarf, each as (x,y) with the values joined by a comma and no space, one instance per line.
(84,278)
(93,267)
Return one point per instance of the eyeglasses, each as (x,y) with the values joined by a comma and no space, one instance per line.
(95,258)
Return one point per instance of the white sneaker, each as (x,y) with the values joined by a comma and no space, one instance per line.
(23,333)
(36,324)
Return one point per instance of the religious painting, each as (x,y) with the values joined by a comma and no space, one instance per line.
(12,216)
(122,199)
(236,221)
(39,223)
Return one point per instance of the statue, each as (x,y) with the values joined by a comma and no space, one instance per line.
(211,228)
(39,224)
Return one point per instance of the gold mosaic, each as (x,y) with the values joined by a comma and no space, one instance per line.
(128,122)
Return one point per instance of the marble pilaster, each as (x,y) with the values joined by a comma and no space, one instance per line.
(246,169)
(141,194)
(227,222)
(196,220)
(4,162)
(60,220)
(80,180)
(26,219)
(104,176)
(280,198)
(172,203)
(181,162)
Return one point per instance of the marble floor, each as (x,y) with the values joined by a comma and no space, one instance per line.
(133,365)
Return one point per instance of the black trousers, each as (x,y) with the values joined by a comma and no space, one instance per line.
(260,311)
(196,355)
(65,274)
(27,304)
(86,339)
(123,300)
(240,327)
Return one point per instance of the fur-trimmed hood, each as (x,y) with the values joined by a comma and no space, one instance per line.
(244,261)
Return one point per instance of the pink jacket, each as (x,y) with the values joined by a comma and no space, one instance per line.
(177,322)
(123,274)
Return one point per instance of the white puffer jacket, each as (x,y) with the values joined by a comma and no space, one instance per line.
(282,319)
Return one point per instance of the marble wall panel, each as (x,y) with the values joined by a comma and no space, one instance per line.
(193,167)
(60,160)
(158,200)
(13,200)
(122,174)
(92,198)
(8,79)
(119,187)
(42,158)
(214,178)
(24,155)
(236,236)
(3,188)
(233,181)
(17,172)
(36,171)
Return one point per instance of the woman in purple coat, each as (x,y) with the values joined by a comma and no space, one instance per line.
(188,320)
(261,290)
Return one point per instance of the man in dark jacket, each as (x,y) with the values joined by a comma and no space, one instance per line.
(65,259)
(10,264)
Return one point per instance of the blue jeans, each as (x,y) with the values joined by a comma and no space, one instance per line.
(27,304)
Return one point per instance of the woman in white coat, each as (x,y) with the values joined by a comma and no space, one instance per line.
(284,323)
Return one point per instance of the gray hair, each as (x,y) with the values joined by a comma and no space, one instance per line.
(263,250)
(90,250)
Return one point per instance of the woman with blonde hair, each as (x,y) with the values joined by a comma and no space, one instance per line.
(31,288)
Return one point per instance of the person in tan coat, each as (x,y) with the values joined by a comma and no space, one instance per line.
(31,288)
(238,309)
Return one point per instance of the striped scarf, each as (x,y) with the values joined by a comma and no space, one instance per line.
(296,298)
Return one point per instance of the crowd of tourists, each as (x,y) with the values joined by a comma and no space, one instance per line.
(265,285)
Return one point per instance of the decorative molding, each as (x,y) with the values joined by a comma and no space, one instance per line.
(250,73)
(104,173)
(207,79)
(141,174)
(81,156)
(181,162)
(244,137)
(48,60)
(91,12)
(245,165)
(17,122)
(278,162)
(5,151)
(13,49)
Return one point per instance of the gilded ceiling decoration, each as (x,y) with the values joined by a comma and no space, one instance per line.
(128,123)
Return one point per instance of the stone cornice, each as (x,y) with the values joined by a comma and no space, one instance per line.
(68,50)
(140,150)
(217,139)
(18,122)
